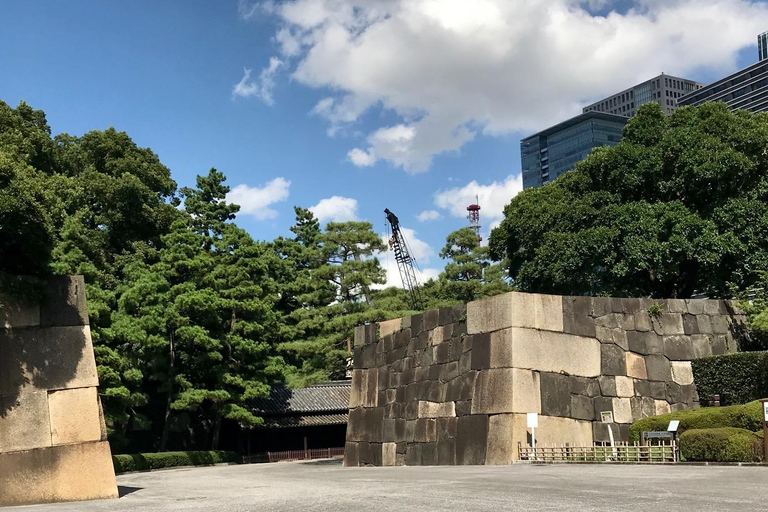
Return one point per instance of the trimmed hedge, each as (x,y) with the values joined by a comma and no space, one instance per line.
(726,444)
(737,378)
(147,461)
(748,416)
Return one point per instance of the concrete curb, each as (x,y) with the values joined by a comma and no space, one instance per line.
(179,467)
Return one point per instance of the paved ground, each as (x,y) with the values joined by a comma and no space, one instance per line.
(325,485)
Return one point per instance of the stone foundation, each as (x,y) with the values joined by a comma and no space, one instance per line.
(52,435)
(452,386)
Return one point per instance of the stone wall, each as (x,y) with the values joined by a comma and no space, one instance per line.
(452,386)
(53,443)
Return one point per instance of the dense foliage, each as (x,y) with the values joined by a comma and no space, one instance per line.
(737,378)
(678,206)
(149,461)
(748,416)
(725,444)
(191,317)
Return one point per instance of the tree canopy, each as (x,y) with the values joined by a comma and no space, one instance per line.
(677,207)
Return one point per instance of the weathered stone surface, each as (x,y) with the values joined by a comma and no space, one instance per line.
(678,348)
(426,430)
(502,446)
(506,390)
(59,473)
(555,394)
(645,342)
(682,373)
(501,312)
(553,352)
(658,390)
(625,387)
(447,427)
(701,346)
(74,416)
(636,366)
(430,319)
(612,361)
(445,315)
(436,410)
(446,452)
(24,423)
(642,407)
(607,385)
(429,454)
(674,393)
(585,386)
(548,312)
(642,387)
(720,325)
(372,388)
(555,430)
(413,454)
(601,435)
(622,410)
(642,321)
(351,455)
(64,303)
(661,407)
(46,358)
(602,404)
(582,407)
(671,323)
(389,454)
(658,368)
(472,439)
(16,314)
(576,316)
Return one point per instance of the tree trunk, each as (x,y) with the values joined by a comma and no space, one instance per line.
(171,376)
(216,431)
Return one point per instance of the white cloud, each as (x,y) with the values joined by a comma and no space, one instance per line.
(428,215)
(255,201)
(451,69)
(261,89)
(361,158)
(335,209)
(492,198)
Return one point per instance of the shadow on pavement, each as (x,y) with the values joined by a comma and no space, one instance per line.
(324,462)
(123,490)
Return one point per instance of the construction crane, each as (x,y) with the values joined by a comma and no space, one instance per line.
(405,262)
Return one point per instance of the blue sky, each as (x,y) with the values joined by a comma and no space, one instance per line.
(360,106)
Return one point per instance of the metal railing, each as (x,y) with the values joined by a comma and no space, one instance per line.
(288,455)
(621,452)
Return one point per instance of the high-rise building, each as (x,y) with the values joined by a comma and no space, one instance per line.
(746,89)
(551,152)
(663,89)
(762,46)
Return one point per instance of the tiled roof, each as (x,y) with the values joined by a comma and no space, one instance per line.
(305,421)
(325,397)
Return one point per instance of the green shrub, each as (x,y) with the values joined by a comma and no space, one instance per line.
(146,461)
(737,378)
(726,444)
(748,416)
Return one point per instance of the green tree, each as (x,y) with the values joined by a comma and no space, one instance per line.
(469,273)
(677,207)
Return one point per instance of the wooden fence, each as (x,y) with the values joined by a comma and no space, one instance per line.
(621,452)
(315,453)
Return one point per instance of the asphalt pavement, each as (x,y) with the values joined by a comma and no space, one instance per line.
(327,486)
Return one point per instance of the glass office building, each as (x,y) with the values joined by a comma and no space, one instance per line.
(746,89)
(762,46)
(551,152)
(663,89)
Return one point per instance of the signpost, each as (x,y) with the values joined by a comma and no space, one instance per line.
(765,429)
(532,419)
(607,417)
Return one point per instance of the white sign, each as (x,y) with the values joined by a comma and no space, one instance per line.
(533,420)
(673,426)
(765,411)
(607,416)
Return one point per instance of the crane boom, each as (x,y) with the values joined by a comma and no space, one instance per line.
(404,260)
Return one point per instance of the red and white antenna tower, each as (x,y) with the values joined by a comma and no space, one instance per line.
(474,218)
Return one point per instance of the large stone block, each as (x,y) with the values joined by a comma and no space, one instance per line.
(555,394)
(64,303)
(625,387)
(426,430)
(512,309)
(612,360)
(548,312)
(671,323)
(436,410)
(645,342)
(607,385)
(24,423)
(472,439)
(552,351)
(388,327)
(49,358)
(678,348)
(430,319)
(582,407)
(658,368)
(15,313)
(351,455)
(59,473)
(372,388)
(504,432)
(75,416)
(577,317)
(622,410)
(555,430)
(446,452)
(682,373)
(506,390)
(601,435)
(585,386)
(388,454)
(636,366)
